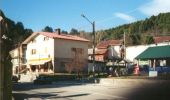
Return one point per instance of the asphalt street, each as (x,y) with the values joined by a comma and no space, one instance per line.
(122,90)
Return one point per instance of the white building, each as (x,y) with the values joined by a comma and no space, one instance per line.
(134,51)
(49,52)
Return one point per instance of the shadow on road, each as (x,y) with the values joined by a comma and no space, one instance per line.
(31,87)
(150,91)
(24,96)
(136,90)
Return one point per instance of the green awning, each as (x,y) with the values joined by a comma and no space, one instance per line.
(158,52)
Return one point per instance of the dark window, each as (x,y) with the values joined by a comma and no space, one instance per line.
(46,38)
(33,51)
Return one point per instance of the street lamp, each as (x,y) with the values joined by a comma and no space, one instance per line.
(94,36)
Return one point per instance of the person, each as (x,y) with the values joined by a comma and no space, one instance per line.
(116,71)
(111,70)
(136,69)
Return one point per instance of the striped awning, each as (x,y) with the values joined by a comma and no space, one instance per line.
(41,61)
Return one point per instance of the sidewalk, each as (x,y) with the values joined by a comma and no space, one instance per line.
(128,82)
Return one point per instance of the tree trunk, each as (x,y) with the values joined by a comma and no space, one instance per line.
(5,71)
(7,80)
(1,81)
(1,66)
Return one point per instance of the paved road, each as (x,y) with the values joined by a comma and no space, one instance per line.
(126,90)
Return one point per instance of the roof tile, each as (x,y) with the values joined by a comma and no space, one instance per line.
(161,39)
(105,44)
(63,36)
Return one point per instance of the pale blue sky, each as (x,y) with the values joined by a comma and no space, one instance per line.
(66,14)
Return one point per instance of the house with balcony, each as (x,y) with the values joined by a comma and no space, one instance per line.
(104,50)
(18,56)
(46,52)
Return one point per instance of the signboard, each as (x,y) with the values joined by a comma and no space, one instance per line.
(153,73)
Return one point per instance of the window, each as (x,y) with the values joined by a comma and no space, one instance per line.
(33,51)
(73,49)
(33,41)
(46,38)
(77,50)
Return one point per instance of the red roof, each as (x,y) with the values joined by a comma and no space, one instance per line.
(63,36)
(105,44)
(161,39)
(100,51)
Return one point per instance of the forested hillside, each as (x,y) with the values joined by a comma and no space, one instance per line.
(141,32)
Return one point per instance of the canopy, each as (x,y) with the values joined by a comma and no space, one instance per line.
(158,52)
(41,61)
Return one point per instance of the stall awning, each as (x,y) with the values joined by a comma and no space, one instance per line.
(39,61)
(158,52)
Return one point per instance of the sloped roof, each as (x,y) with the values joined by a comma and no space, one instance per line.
(158,52)
(63,36)
(101,51)
(161,39)
(105,44)
(56,36)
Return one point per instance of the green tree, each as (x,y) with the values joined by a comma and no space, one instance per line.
(6,68)
(27,32)
(64,32)
(148,39)
(155,25)
(74,32)
(47,29)
(11,34)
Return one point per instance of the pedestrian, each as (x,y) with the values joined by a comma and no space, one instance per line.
(136,69)
(111,71)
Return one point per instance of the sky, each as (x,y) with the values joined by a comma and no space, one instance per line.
(66,14)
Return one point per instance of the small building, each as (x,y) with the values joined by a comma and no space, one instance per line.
(18,59)
(101,52)
(161,39)
(108,48)
(156,55)
(134,51)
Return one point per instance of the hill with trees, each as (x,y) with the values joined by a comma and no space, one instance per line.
(140,32)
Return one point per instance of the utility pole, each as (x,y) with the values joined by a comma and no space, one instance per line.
(94,41)
(124,40)
(94,46)
(19,58)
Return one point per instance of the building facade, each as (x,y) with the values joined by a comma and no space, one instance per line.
(49,52)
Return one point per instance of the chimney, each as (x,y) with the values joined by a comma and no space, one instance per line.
(57,31)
